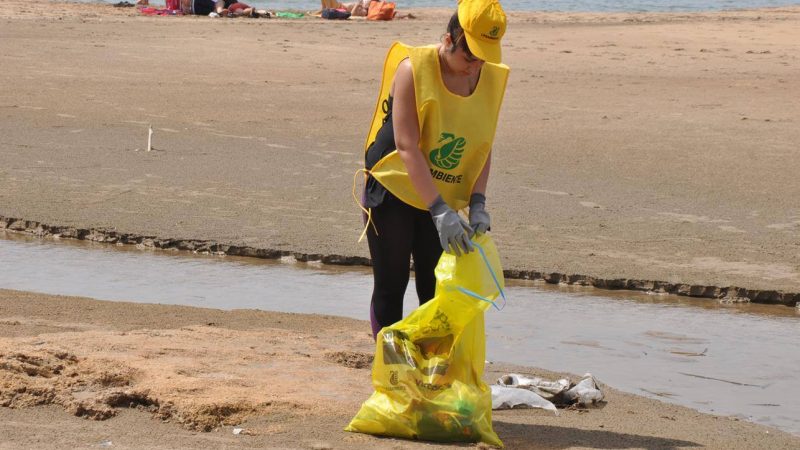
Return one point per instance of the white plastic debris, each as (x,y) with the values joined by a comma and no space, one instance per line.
(545,388)
(585,393)
(509,397)
(238,430)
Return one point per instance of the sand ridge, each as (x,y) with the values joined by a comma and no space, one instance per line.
(175,374)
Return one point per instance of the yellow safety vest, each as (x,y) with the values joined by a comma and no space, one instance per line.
(456,133)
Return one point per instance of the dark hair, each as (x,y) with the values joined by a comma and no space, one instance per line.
(457,35)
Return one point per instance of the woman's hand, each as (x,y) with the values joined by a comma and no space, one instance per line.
(479,220)
(453,230)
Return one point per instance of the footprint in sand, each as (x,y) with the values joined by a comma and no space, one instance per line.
(545,191)
(591,205)
(691,218)
(234,136)
(784,226)
(731,229)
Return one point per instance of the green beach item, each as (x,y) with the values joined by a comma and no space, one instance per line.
(289,15)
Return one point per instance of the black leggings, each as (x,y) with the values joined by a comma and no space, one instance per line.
(403,232)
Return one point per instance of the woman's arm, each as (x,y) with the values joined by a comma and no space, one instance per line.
(406,133)
(483,178)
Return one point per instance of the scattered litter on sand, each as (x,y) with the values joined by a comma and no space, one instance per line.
(515,390)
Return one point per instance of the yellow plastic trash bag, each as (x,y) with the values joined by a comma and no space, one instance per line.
(428,368)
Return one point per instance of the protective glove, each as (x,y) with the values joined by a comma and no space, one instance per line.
(453,230)
(479,220)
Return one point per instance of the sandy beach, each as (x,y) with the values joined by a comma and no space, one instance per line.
(630,147)
(157,376)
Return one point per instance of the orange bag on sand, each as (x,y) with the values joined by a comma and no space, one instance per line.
(381,10)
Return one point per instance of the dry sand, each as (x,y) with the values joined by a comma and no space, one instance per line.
(640,146)
(647,146)
(155,376)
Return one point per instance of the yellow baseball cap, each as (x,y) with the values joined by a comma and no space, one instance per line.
(484,24)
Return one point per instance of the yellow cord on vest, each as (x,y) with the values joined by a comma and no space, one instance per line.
(367,211)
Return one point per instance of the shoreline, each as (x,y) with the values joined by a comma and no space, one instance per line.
(730,294)
(177,370)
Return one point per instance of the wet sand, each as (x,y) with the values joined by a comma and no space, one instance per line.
(155,376)
(631,146)
(645,146)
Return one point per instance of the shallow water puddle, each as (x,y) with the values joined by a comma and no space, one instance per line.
(733,360)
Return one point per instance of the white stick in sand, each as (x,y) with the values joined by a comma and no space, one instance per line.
(149,137)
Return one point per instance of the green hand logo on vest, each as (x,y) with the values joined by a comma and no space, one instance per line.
(449,154)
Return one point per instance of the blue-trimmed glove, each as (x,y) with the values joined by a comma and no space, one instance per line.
(479,220)
(453,230)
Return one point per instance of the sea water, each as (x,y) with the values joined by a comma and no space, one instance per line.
(539,5)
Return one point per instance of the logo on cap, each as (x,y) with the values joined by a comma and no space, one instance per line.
(492,33)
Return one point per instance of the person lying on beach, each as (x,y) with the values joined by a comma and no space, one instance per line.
(350,7)
(235,8)
(359,8)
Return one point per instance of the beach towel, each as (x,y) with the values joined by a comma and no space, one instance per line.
(289,15)
(149,11)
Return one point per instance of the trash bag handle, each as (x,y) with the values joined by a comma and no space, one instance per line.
(494,277)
